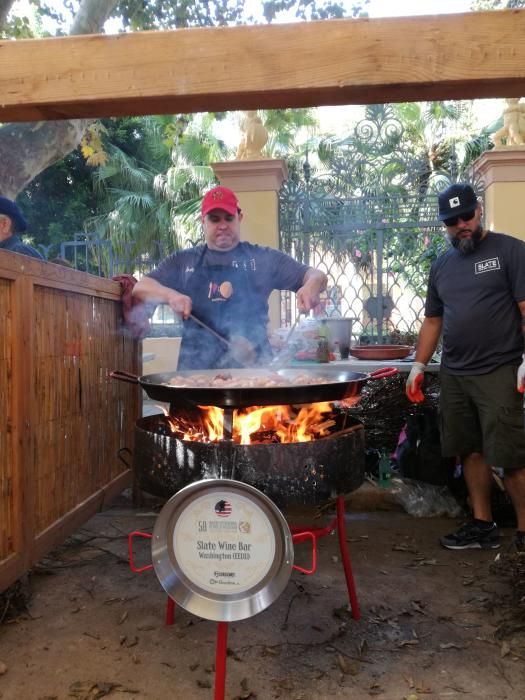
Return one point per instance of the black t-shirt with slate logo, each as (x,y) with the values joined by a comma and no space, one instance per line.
(477,295)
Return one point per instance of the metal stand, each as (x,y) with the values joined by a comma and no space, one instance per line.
(220,660)
(339,523)
(299,534)
(170,611)
(221,650)
(227,423)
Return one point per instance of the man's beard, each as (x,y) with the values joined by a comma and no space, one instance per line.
(467,245)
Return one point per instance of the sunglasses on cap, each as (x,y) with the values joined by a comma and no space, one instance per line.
(466,216)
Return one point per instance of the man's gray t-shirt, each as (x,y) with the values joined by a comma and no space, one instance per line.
(267,268)
(477,295)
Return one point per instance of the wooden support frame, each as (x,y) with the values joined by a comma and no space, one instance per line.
(360,61)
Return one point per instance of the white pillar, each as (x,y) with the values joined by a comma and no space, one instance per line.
(502,171)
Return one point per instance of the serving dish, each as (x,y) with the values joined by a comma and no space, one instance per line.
(381,352)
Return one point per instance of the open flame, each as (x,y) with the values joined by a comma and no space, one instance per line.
(280,424)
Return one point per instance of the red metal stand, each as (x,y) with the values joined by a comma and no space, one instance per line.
(170,604)
(339,523)
(299,534)
(220,660)
(170,611)
(345,556)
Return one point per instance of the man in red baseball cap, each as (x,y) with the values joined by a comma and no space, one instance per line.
(222,216)
(226,283)
(220,198)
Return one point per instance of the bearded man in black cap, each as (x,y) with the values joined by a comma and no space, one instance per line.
(12,222)
(476,301)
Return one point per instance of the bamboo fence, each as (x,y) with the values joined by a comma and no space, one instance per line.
(62,420)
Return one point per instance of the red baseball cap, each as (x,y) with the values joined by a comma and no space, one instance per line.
(220,198)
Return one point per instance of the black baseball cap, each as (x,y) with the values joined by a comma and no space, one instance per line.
(456,200)
(10,209)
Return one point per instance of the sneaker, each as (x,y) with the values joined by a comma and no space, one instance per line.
(473,535)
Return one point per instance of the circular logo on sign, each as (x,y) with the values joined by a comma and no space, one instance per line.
(222,549)
(224,545)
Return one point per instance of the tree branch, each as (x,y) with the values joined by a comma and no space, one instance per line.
(91,16)
(28,148)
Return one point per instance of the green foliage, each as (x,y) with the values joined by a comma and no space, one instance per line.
(157,14)
(310,9)
(285,128)
(150,188)
(58,201)
(30,25)
(166,172)
(132,213)
(17,28)
(148,192)
(432,130)
(135,15)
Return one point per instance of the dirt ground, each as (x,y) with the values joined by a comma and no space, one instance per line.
(430,627)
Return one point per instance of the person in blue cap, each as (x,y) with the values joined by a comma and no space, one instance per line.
(476,302)
(12,222)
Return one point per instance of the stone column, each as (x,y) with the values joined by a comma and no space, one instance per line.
(257,183)
(502,171)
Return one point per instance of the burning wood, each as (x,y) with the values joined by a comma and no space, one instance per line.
(264,437)
(323,427)
(257,425)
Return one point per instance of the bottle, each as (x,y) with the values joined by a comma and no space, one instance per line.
(323,345)
(384,471)
(337,351)
(323,350)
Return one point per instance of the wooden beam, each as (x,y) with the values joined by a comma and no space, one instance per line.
(360,61)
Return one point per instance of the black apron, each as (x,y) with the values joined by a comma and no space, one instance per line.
(223,298)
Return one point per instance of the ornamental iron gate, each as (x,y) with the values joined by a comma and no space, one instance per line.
(371,224)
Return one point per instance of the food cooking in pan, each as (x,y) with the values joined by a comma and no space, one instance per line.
(226,380)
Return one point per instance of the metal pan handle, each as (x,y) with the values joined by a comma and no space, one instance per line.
(123,376)
(120,455)
(383,372)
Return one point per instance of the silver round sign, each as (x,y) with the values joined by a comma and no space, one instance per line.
(222,550)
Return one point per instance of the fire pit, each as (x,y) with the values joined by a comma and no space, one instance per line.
(294,455)
(228,425)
